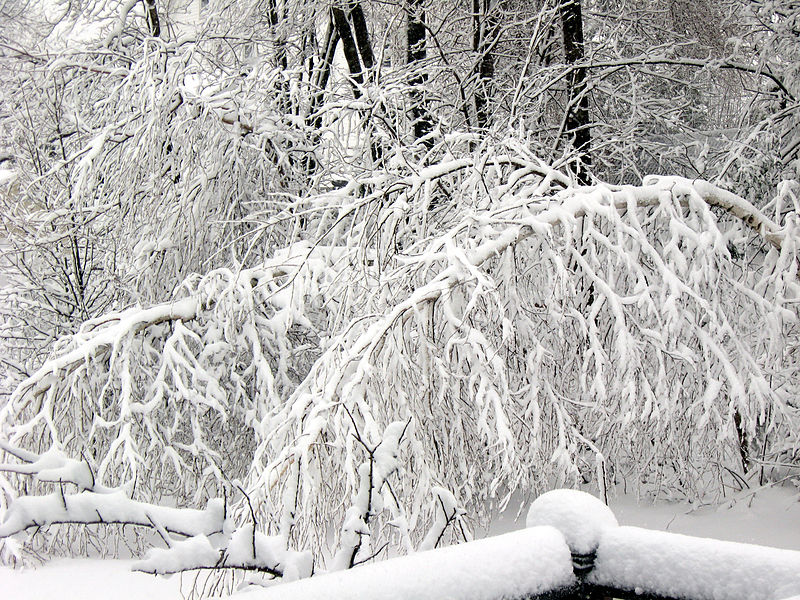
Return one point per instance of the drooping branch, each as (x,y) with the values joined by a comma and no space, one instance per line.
(686,61)
(326,387)
(111,329)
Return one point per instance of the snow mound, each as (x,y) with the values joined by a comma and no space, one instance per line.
(679,566)
(515,565)
(579,516)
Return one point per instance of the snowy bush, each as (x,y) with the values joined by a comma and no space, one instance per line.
(562,335)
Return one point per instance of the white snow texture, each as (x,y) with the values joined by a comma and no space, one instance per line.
(680,566)
(513,565)
(579,516)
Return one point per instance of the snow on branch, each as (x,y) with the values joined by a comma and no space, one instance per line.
(89,508)
(637,281)
(53,467)
(245,550)
(555,331)
(95,504)
(106,333)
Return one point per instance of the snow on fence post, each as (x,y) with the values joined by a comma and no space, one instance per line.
(582,519)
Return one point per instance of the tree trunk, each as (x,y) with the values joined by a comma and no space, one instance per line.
(576,121)
(362,36)
(349,47)
(319,81)
(485,33)
(275,18)
(353,32)
(151,16)
(322,73)
(415,56)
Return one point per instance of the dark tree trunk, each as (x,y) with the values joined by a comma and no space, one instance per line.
(352,29)
(485,34)
(744,441)
(322,73)
(275,18)
(576,121)
(319,81)
(151,16)
(362,36)
(415,56)
(349,47)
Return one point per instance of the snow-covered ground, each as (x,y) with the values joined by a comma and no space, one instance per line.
(770,517)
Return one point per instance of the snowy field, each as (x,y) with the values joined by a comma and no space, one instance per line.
(770,517)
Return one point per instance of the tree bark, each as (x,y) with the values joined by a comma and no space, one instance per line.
(323,73)
(349,47)
(362,36)
(352,28)
(485,32)
(319,80)
(151,17)
(415,56)
(576,121)
(275,18)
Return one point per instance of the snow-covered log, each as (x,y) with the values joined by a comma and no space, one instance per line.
(571,548)
(679,566)
(630,561)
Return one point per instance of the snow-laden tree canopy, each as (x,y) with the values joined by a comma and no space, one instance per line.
(456,333)
(251,313)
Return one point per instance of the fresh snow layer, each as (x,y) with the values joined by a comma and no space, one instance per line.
(196,552)
(6,175)
(513,565)
(769,517)
(579,516)
(679,566)
(88,579)
(243,550)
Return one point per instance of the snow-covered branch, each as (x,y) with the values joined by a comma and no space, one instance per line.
(89,508)
(537,321)
(245,550)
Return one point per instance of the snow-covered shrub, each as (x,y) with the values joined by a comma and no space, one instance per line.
(477,325)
